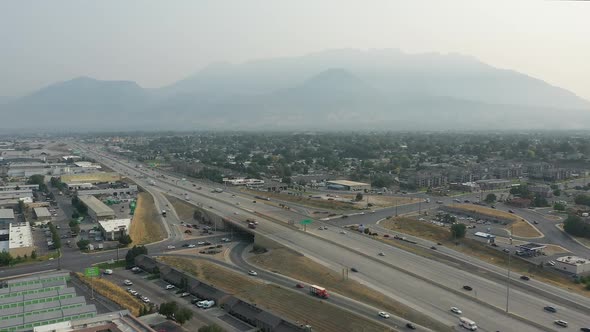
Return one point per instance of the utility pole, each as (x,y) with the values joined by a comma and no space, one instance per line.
(508,282)
(58,259)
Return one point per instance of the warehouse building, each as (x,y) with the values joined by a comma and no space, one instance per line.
(26,303)
(111,321)
(94,177)
(6,218)
(42,215)
(131,190)
(97,210)
(20,239)
(573,264)
(113,229)
(347,185)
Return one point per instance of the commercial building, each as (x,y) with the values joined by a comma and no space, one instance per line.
(131,190)
(87,164)
(542,190)
(97,210)
(20,187)
(254,183)
(42,215)
(530,249)
(347,185)
(493,184)
(15,194)
(426,179)
(20,239)
(573,264)
(79,185)
(94,177)
(465,186)
(6,218)
(27,303)
(113,229)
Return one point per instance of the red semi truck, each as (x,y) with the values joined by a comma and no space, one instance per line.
(318,291)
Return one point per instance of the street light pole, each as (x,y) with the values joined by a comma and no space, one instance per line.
(508,283)
(58,259)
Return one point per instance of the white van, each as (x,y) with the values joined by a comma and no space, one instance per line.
(467,323)
(208,304)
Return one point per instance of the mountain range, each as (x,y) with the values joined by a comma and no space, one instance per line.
(330,90)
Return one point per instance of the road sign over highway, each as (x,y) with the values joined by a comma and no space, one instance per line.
(91,271)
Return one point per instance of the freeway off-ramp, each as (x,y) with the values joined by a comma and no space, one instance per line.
(427,296)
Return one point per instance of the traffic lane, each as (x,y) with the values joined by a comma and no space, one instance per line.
(236,256)
(484,289)
(423,296)
(155,291)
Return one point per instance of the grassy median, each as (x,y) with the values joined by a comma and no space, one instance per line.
(285,303)
(146,226)
(518,226)
(114,293)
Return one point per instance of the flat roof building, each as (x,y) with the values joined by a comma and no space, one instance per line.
(6,217)
(42,214)
(112,229)
(94,177)
(573,264)
(97,210)
(347,185)
(20,239)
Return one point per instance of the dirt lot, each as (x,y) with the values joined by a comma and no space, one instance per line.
(293,306)
(286,262)
(183,209)
(114,293)
(308,201)
(519,227)
(476,249)
(384,201)
(146,226)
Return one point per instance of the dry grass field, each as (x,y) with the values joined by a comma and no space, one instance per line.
(288,263)
(476,249)
(114,293)
(146,226)
(183,209)
(286,303)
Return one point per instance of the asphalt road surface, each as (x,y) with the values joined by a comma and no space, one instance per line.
(434,295)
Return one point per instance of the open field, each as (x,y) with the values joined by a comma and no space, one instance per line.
(183,209)
(476,249)
(285,303)
(291,264)
(379,201)
(114,293)
(308,201)
(519,227)
(146,226)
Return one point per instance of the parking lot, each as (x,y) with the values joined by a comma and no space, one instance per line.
(155,290)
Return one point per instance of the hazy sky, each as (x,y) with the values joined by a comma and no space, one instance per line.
(157,42)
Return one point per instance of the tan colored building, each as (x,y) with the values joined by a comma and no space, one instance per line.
(97,210)
(94,177)
(347,185)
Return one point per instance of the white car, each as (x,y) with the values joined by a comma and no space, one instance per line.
(145,299)
(191,245)
(200,243)
(383,314)
(252,273)
(108,271)
(342,232)
(127,283)
(168,287)
(171,247)
(456,310)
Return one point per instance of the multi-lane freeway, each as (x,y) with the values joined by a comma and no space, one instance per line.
(437,288)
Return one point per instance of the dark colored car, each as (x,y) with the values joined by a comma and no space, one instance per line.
(550,309)
(510,211)
(585,329)
(467,288)
(433,248)
(299,286)
(353,269)
(525,278)
(411,326)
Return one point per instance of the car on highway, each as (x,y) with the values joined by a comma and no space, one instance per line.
(467,288)
(560,322)
(510,211)
(185,294)
(585,329)
(383,314)
(525,278)
(506,250)
(456,310)
(170,247)
(127,282)
(433,248)
(108,271)
(200,243)
(550,309)
(354,269)
(342,232)
(252,273)
(191,245)
(299,286)
(145,299)
(168,287)
(411,326)
(381,254)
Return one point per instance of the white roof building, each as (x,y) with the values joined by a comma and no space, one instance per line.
(573,264)
(112,229)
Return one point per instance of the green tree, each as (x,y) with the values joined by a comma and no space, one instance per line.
(490,198)
(34,254)
(582,200)
(540,201)
(458,231)
(183,315)
(168,309)
(574,225)
(359,197)
(559,206)
(211,328)
(83,244)
(5,258)
(134,252)
(557,192)
(448,219)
